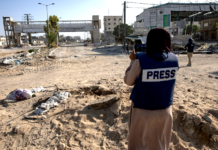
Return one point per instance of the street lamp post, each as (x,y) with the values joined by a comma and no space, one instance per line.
(47,14)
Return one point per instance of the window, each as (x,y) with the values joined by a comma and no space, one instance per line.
(109,28)
(108,18)
(114,23)
(205,24)
(120,19)
(109,24)
(114,19)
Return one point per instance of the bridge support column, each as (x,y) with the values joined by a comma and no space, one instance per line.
(18,39)
(96,32)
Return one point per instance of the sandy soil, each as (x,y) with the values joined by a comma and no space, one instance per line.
(195,108)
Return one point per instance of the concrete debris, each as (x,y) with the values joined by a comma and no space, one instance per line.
(115,109)
(50,53)
(103,102)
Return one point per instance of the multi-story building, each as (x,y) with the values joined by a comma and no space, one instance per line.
(2,39)
(209,29)
(110,22)
(175,16)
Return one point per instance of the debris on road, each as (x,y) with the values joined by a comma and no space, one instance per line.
(53,101)
(22,94)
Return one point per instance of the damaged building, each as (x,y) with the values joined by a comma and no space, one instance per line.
(175,16)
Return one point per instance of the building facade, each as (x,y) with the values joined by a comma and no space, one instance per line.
(110,22)
(209,29)
(167,15)
(2,39)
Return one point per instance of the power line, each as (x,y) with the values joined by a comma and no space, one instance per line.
(137,7)
(142,3)
(28,18)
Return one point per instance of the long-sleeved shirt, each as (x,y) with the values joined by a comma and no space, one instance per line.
(132,72)
(190,47)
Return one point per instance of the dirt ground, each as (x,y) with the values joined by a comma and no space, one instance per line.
(76,69)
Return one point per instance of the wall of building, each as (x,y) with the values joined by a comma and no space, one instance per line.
(110,22)
(157,17)
(209,24)
(2,39)
(208,29)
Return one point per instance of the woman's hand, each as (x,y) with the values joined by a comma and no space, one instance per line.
(132,56)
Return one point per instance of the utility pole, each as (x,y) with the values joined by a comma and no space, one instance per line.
(124,26)
(27,17)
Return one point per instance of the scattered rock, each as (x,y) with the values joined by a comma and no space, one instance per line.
(210,76)
(103,102)
(62,146)
(216,77)
(43,117)
(189,90)
(196,103)
(116,108)
(192,81)
(101,116)
(188,127)
(186,78)
(181,107)
(56,124)
(52,57)
(207,118)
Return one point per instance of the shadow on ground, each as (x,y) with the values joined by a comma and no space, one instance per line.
(215,72)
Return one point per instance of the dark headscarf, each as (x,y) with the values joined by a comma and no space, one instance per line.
(190,40)
(158,41)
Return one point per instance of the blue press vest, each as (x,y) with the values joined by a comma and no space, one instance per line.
(154,88)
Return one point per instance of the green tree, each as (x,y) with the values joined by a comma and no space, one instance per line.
(195,29)
(119,31)
(53,29)
(52,38)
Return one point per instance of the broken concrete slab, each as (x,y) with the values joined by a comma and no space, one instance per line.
(103,102)
(115,109)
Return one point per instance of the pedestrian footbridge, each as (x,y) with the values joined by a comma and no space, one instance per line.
(13,29)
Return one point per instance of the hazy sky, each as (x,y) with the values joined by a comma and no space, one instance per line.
(71,10)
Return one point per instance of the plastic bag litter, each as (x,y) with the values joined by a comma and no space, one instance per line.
(39,89)
(40,111)
(8,61)
(53,101)
(19,94)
